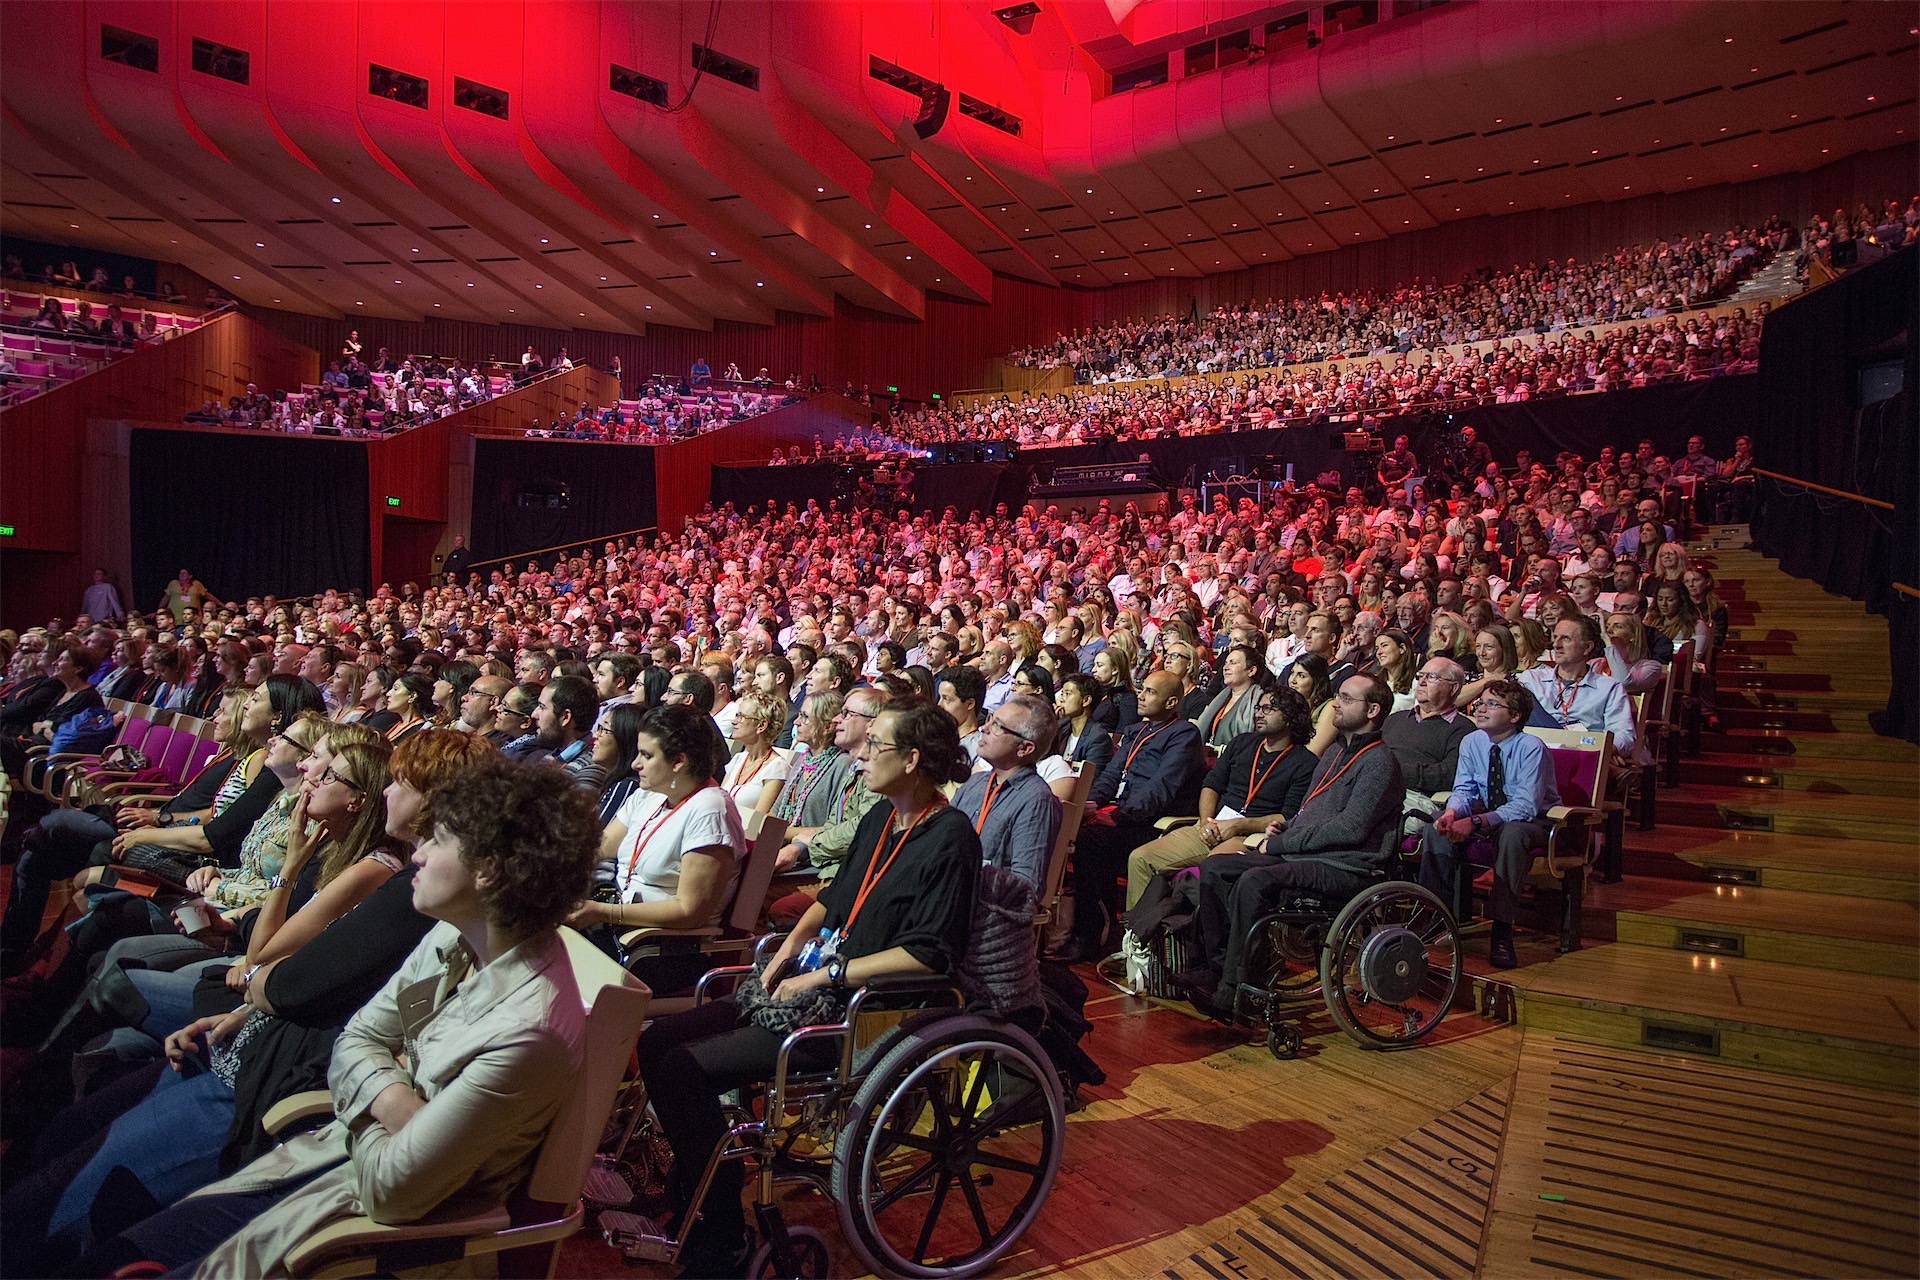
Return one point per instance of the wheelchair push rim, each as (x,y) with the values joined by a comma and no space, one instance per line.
(1391,966)
(949,1149)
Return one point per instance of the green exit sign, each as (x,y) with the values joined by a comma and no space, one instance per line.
(6,531)
(392,501)
(936,395)
(893,389)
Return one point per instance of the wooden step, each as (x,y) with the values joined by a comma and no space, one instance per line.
(1843,746)
(1803,773)
(1852,1027)
(1758,648)
(1845,817)
(1780,719)
(1854,868)
(1820,931)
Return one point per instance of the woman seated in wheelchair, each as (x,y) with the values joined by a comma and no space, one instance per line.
(902,904)
(674,850)
(488,1020)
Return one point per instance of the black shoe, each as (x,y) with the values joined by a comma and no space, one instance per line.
(1216,1004)
(1075,951)
(1500,947)
(709,1262)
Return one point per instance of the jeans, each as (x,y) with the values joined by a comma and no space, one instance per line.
(125,1152)
(59,847)
(1236,889)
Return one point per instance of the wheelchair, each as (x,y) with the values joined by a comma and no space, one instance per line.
(936,1131)
(1386,963)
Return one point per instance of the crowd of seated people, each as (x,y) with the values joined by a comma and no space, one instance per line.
(49,337)
(667,409)
(380,395)
(1638,282)
(1846,238)
(407,772)
(1666,350)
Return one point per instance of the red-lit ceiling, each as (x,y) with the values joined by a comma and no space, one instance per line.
(585,208)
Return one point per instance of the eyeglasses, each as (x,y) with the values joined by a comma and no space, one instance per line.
(304,751)
(875,746)
(1436,675)
(334,775)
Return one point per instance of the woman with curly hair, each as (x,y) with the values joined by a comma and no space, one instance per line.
(439,1103)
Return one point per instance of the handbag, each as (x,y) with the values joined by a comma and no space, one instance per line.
(821,1005)
(86,733)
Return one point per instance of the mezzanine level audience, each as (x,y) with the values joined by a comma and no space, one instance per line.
(1637,282)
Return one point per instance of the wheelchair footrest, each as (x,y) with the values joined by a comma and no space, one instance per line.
(636,1236)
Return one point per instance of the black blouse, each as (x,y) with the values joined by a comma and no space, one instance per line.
(924,901)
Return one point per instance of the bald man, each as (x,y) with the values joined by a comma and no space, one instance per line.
(1155,773)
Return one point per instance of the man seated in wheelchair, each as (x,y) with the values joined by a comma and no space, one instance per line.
(445,1084)
(902,904)
(1337,843)
(1502,789)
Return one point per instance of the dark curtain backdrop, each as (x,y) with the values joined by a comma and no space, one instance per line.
(956,346)
(1811,425)
(248,514)
(609,490)
(757,485)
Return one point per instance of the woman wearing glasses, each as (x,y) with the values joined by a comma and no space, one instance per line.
(902,903)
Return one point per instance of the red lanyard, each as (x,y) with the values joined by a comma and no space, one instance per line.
(876,869)
(1145,738)
(752,773)
(1563,696)
(986,805)
(1257,779)
(654,826)
(1214,724)
(1335,777)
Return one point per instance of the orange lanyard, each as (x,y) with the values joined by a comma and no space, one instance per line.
(1346,765)
(877,869)
(1145,738)
(1256,778)
(654,826)
(986,805)
(752,773)
(840,805)
(1214,725)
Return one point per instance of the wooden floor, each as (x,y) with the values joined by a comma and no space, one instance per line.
(1722,1083)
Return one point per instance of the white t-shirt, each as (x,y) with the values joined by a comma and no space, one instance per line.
(647,864)
(743,782)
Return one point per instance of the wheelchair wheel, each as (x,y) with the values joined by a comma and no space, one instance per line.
(1292,958)
(1391,965)
(949,1147)
(809,1254)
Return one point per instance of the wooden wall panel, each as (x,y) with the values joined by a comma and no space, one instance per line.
(683,472)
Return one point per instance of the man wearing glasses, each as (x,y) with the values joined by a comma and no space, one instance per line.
(1013,810)
(481,711)
(1503,785)
(1333,847)
(824,847)
(514,718)
(1261,776)
(1426,737)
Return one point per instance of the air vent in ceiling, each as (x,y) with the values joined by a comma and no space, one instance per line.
(211,59)
(732,70)
(396,86)
(471,95)
(129,48)
(991,116)
(635,85)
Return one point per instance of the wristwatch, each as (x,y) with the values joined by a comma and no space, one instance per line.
(837,970)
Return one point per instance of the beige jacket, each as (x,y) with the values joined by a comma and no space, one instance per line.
(493,1051)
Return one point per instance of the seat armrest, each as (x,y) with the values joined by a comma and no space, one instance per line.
(1562,813)
(651,933)
(294,1108)
(1174,824)
(362,1237)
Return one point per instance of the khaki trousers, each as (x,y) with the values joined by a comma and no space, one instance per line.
(1181,847)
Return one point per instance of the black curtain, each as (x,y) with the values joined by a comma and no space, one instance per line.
(247,514)
(532,494)
(1817,421)
(972,486)
(758,485)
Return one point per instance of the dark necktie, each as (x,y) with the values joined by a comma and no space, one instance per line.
(1496,777)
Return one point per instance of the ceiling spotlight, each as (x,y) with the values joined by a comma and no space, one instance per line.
(396,282)
(713,253)
(74,225)
(759,284)
(359,304)
(413,251)
(435,304)
(236,277)
(543,239)
(470,285)
(336,200)
(259,244)
(909,257)
(539,286)
(656,217)
(820,190)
